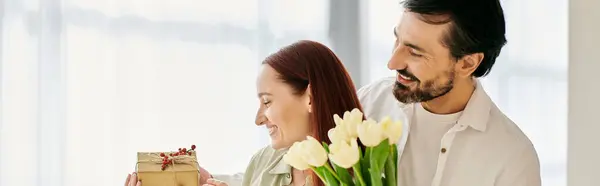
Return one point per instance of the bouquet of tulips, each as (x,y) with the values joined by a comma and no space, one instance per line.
(343,163)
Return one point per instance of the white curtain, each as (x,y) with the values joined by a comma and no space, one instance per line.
(85,84)
(528,82)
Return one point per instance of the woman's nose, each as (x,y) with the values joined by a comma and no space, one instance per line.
(260,117)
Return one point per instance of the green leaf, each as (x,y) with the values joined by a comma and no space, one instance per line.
(395,154)
(390,170)
(325,146)
(319,173)
(358,175)
(366,164)
(379,155)
(375,177)
(344,175)
(330,180)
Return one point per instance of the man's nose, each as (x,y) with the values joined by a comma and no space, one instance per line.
(398,59)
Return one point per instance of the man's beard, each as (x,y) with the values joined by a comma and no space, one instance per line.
(429,91)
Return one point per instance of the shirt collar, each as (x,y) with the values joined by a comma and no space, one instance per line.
(476,112)
(279,166)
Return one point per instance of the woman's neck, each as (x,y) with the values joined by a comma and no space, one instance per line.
(298,177)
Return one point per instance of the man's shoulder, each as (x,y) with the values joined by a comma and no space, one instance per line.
(377,93)
(377,88)
(514,148)
(508,131)
(378,101)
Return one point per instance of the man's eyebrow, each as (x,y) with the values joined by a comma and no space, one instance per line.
(413,46)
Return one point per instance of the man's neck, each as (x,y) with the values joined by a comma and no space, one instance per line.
(454,101)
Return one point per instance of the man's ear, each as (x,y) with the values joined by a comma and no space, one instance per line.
(468,64)
(308,99)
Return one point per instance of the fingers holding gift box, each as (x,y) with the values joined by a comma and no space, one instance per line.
(177,168)
(214,182)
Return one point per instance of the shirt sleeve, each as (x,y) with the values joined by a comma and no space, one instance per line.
(231,179)
(241,179)
(521,170)
(249,175)
(362,93)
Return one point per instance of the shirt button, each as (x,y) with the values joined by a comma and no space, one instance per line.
(443,150)
(287,175)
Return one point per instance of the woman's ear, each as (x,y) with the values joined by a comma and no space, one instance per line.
(308,99)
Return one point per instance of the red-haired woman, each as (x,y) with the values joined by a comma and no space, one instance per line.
(299,89)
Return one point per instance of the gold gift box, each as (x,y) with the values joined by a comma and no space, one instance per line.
(182,171)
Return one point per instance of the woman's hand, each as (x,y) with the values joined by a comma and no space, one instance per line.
(203,176)
(132,180)
(214,182)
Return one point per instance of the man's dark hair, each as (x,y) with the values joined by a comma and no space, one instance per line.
(476,26)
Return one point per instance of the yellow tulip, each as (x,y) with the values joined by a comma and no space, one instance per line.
(338,121)
(345,128)
(343,154)
(351,121)
(313,152)
(294,157)
(338,134)
(391,130)
(370,133)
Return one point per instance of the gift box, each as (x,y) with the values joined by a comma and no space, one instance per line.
(168,168)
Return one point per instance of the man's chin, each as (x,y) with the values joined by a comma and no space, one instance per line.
(400,86)
(405,99)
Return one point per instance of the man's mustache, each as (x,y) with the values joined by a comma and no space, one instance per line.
(405,72)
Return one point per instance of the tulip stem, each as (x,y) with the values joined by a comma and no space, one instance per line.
(358,174)
(328,167)
(318,173)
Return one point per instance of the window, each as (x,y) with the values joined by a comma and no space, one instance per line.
(137,75)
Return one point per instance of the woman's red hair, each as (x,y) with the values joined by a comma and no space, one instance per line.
(332,91)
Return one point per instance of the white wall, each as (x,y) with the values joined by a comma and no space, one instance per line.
(584,93)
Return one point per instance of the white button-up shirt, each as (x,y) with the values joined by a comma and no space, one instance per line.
(484,148)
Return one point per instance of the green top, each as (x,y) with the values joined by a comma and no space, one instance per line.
(267,168)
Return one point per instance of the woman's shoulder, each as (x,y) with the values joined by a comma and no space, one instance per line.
(268,154)
(267,168)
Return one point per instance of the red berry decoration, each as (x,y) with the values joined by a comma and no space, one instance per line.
(180,152)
